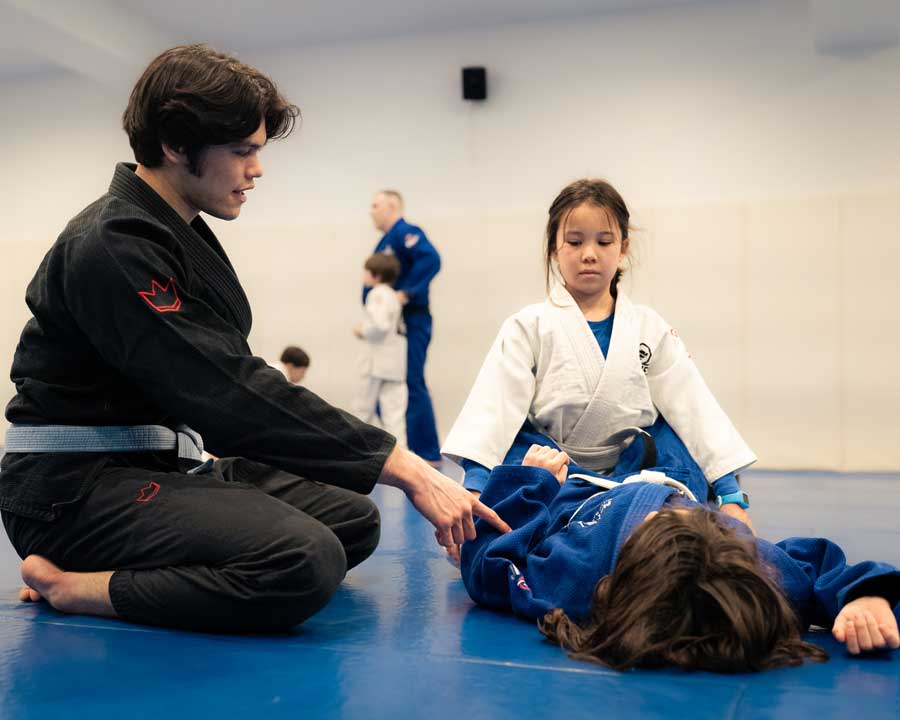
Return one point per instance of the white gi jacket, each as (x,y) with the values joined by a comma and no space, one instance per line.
(545,365)
(384,353)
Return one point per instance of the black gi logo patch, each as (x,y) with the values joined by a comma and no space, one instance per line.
(644,355)
(148,492)
(162,298)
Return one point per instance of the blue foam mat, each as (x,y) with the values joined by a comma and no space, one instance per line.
(401,639)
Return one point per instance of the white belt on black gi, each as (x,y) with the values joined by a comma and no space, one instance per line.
(103,438)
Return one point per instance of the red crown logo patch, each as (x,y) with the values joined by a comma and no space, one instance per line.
(162,298)
(148,492)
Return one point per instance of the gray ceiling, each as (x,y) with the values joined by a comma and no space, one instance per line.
(111,40)
(283,23)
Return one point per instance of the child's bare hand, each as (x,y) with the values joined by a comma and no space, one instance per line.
(738,513)
(556,461)
(865,624)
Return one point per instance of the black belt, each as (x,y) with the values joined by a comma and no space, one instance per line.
(416,310)
(648,459)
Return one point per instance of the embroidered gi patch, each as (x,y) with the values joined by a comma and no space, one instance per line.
(516,575)
(388,250)
(162,298)
(410,240)
(148,492)
(644,355)
(597,515)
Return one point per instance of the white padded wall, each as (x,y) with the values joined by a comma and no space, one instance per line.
(694,258)
(793,296)
(870,284)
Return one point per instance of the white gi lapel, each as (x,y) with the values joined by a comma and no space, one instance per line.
(620,369)
(583,343)
(618,383)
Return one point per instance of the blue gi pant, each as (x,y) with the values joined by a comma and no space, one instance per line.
(421,430)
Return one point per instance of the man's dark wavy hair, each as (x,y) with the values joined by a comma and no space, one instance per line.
(686,591)
(191,97)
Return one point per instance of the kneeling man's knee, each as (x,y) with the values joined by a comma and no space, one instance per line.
(368,533)
(306,575)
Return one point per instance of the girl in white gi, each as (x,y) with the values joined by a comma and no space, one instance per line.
(382,364)
(545,380)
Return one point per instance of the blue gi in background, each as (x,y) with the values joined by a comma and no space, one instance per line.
(419,263)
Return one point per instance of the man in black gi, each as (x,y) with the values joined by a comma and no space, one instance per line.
(138,339)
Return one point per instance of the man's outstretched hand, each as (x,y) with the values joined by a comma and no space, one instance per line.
(444,503)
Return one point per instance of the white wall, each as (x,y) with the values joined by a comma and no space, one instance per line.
(765,178)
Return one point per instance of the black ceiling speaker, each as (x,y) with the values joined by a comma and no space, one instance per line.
(474,83)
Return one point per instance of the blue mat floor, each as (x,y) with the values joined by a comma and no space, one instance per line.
(402,640)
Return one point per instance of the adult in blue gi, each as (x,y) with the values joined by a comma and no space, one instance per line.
(419,263)
(139,330)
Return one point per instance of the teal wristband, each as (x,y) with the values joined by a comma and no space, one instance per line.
(738,498)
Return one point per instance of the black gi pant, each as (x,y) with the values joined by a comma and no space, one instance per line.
(243,548)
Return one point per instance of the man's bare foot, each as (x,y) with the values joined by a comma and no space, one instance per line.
(27,594)
(69,592)
(39,575)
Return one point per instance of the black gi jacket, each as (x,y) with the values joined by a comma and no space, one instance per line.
(139,319)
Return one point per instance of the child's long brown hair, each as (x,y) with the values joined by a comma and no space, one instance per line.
(686,591)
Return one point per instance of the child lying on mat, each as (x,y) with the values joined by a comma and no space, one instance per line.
(641,576)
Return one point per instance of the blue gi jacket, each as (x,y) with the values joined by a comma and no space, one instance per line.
(565,538)
(419,261)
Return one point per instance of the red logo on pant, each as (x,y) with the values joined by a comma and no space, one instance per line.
(148,492)
(162,298)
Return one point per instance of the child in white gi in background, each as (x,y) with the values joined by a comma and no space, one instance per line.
(546,382)
(382,364)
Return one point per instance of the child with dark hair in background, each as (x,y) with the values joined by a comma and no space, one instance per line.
(382,365)
(294,364)
(640,576)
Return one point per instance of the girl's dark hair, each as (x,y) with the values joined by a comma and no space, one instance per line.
(588,190)
(686,591)
(383,266)
(191,97)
